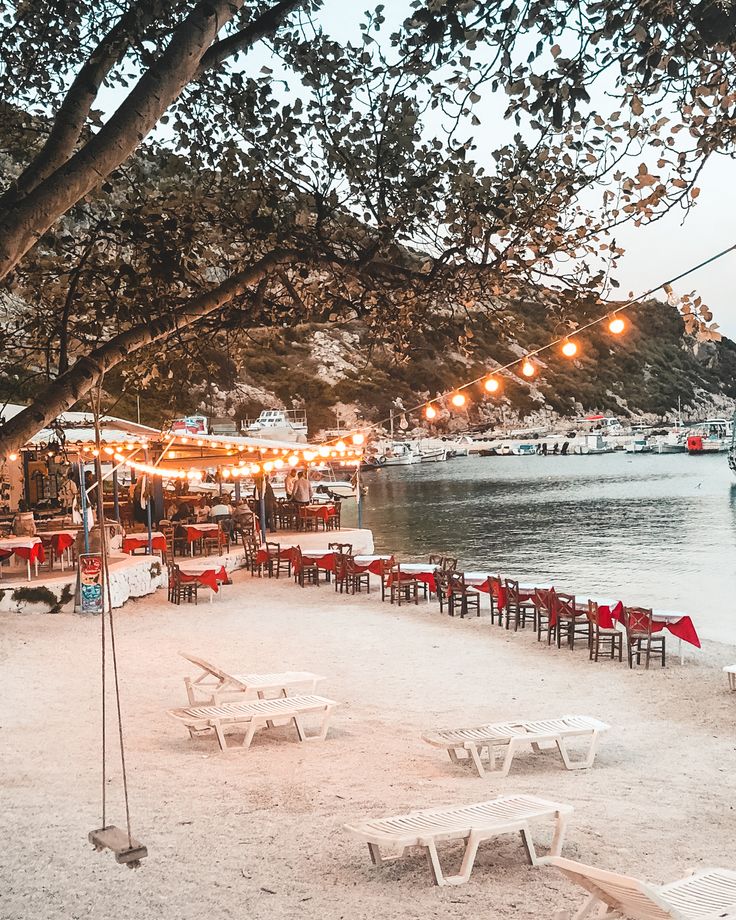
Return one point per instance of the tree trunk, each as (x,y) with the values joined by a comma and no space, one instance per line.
(64,392)
(25,222)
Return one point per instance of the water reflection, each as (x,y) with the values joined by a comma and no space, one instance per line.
(657,530)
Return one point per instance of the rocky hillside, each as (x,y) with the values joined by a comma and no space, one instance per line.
(341,377)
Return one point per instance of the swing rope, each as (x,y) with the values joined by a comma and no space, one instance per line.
(113,650)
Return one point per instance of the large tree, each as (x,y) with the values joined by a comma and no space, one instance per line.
(341,176)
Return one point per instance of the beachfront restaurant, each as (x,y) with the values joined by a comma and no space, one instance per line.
(158,491)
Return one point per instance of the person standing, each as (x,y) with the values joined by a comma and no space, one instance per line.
(289,484)
(302,493)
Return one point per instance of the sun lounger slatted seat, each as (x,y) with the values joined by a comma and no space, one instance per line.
(709,894)
(213,685)
(254,715)
(468,743)
(730,672)
(389,838)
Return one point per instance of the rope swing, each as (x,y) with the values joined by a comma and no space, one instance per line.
(120,841)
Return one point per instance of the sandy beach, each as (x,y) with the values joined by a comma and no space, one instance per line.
(259,835)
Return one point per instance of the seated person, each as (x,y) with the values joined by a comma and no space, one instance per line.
(221,514)
(184,512)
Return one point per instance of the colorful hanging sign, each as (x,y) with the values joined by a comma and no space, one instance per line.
(89,582)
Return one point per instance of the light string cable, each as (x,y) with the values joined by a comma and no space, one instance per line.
(614,309)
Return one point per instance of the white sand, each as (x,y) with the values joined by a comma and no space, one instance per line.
(260,834)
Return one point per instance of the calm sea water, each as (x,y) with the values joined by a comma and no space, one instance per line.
(653,530)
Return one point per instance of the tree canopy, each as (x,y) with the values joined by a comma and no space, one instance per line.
(175,170)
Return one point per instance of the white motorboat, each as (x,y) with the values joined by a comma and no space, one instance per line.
(638,446)
(433,455)
(401,453)
(279,425)
(674,442)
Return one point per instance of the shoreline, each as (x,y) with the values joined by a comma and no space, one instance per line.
(259,834)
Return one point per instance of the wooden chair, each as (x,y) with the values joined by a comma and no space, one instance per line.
(355,579)
(404,586)
(544,600)
(305,573)
(442,588)
(517,607)
(333,521)
(436,561)
(449,564)
(602,635)
(345,549)
(458,590)
(571,618)
(638,622)
(304,521)
(387,566)
(181,590)
(250,553)
(216,541)
(495,586)
(275,562)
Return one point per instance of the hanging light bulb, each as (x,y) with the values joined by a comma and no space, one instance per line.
(527,368)
(617,325)
(458,400)
(340,445)
(324,451)
(279,464)
(358,438)
(492,385)
(569,348)
(268,466)
(293,460)
(12,457)
(430,412)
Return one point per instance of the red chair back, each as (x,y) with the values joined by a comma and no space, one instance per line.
(638,621)
(512,590)
(565,605)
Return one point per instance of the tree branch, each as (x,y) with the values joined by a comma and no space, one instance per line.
(264,25)
(70,387)
(72,115)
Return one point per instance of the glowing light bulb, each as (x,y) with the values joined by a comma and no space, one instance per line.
(430,412)
(458,400)
(279,464)
(12,457)
(255,469)
(324,452)
(293,460)
(527,368)
(226,474)
(268,466)
(183,440)
(617,325)
(492,385)
(340,445)
(358,438)
(569,349)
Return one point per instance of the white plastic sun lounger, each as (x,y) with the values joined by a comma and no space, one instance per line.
(253,715)
(468,743)
(730,672)
(471,823)
(709,894)
(213,685)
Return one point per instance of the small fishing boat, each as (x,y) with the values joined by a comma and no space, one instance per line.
(433,455)
(713,436)
(401,453)
(638,446)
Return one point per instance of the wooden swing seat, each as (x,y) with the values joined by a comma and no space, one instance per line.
(116,839)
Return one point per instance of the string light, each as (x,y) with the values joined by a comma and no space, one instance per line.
(358,438)
(459,400)
(527,368)
(617,325)
(430,412)
(569,348)
(492,385)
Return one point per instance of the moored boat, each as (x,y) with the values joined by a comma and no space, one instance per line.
(713,436)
